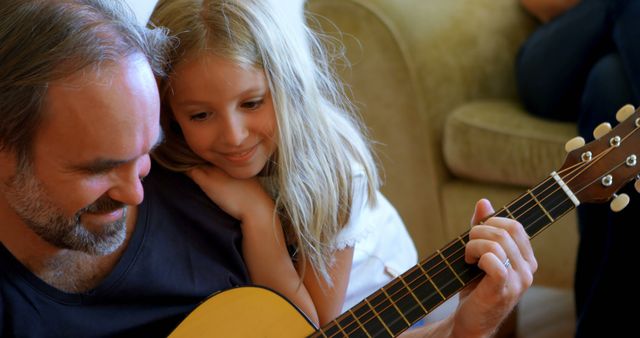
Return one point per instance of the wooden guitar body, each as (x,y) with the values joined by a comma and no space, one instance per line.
(245,312)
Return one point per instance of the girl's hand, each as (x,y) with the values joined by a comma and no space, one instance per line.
(263,242)
(240,198)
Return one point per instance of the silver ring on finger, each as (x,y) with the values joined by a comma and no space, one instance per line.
(507,263)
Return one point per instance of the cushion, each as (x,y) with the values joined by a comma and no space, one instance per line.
(497,141)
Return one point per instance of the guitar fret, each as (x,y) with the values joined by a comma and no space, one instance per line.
(379,318)
(462,241)
(386,310)
(465,237)
(431,281)
(555,200)
(395,306)
(444,259)
(412,294)
(509,212)
(340,329)
(366,317)
(330,331)
(530,216)
(541,206)
(360,324)
(453,250)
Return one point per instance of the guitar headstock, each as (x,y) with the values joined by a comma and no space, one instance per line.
(596,171)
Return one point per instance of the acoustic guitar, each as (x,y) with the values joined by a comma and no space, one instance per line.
(591,173)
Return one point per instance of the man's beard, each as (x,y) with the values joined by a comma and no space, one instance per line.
(29,200)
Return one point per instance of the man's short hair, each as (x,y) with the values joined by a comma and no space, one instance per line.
(46,40)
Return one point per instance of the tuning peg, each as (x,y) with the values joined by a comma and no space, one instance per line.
(574,144)
(601,130)
(637,185)
(619,202)
(624,112)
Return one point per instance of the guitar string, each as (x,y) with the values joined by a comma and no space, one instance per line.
(348,325)
(462,286)
(442,265)
(581,164)
(581,167)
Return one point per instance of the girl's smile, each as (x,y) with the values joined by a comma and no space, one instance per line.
(241,156)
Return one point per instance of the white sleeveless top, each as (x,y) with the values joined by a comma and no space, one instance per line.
(383,248)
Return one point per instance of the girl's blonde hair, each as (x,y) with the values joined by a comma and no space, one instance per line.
(318,137)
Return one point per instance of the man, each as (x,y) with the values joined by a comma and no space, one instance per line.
(78,118)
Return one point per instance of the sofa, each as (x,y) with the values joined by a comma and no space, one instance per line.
(434,82)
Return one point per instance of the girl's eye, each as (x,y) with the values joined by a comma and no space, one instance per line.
(253,105)
(199,116)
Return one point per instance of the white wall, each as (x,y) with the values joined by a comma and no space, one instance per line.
(143,8)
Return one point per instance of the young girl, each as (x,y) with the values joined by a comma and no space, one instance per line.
(253,113)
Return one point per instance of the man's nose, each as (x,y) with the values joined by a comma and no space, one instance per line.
(128,186)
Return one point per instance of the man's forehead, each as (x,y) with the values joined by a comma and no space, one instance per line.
(126,87)
(111,113)
(98,76)
(101,74)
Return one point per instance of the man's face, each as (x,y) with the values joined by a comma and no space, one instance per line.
(88,157)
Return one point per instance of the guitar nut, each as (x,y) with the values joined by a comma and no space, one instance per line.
(607,181)
(632,160)
(586,156)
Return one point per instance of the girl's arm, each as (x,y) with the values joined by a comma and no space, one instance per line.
(267,258)
(264,247)
(328,299)
(269,264)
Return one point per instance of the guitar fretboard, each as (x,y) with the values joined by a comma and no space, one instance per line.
(414,294)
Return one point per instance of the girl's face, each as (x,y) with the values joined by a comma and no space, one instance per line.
(225,112)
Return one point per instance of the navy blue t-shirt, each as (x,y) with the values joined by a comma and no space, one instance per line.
(183,249)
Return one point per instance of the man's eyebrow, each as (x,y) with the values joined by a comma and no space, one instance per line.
(98,165)
(103,165)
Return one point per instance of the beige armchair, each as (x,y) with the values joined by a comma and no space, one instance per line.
(435,83)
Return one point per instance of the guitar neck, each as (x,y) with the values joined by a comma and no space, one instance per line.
(414,294)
